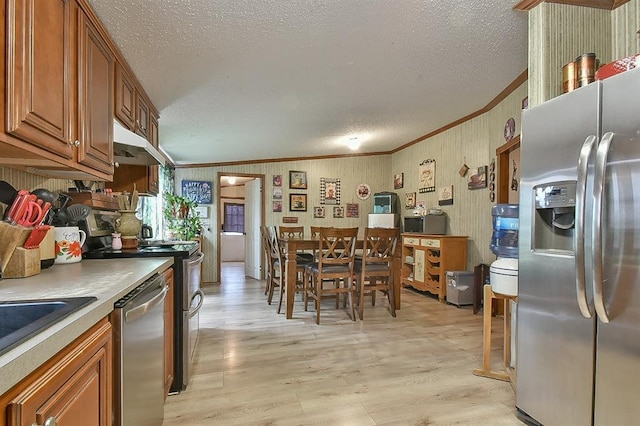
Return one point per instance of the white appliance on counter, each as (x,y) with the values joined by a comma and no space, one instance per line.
(383,220)
(578,332)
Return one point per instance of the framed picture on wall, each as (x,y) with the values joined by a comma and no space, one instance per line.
(277,206)
(277,193)
(197,190)
(298,202)
(297,180)
(398,181)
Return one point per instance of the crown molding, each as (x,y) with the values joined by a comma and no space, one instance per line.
(598,4)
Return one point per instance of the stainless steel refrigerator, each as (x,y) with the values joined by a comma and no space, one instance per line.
(578,328)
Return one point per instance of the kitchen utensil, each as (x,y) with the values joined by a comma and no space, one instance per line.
(35,211)
(18,207)
(45,195)
(59,216)
(134,198)
(7,193)
(76,213)
(36,236)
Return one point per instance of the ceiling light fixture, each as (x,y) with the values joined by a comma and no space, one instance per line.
(231,180)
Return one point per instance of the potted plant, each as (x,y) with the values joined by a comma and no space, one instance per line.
(181,218)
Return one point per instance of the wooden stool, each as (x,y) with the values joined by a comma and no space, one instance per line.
(485,371)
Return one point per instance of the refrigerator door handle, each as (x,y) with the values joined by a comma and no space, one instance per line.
(598,201)
(581,199)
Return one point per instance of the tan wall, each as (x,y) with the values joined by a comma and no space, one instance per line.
(625,22)
(374,171)
(475,143)
(558,34)
(23,180)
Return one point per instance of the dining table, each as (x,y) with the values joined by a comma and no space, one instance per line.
(291,246)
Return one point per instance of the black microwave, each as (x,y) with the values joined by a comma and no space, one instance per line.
(430,224)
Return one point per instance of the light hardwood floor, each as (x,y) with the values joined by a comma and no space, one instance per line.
(254,367)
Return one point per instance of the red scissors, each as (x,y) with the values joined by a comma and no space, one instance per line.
(27,209)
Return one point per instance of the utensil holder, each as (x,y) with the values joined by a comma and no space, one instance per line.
(23,263)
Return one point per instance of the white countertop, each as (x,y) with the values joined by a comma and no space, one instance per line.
(106,279)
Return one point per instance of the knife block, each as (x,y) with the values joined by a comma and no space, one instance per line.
(23,263)
(11,237)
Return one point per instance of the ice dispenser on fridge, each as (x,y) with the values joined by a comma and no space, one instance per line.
(554,222)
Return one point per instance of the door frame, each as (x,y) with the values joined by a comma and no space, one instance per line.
(502,152)
(219,218)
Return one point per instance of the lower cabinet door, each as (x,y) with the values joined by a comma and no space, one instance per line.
(77,390)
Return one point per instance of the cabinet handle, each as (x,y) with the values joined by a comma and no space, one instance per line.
(76,143)
(51,421)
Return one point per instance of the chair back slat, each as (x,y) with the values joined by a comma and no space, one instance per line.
(337,246)
(291,231)
(380,245)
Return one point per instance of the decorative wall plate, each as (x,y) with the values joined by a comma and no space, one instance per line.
(509,129)
(363,191)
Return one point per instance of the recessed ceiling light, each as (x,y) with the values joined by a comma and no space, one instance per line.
(231,180)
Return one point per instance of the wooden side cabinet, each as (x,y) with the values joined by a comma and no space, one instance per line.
(74,388)
(168,332)
(427,258)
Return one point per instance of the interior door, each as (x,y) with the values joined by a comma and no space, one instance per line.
(252,219)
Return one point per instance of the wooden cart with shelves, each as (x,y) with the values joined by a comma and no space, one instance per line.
(427,258)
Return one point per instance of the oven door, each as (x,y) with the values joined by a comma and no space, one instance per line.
(191,304)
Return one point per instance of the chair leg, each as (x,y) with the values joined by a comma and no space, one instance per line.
(391,295)
(373,292)
(318,299)
(270,296)
(349,282)
(281,296)
(361,285)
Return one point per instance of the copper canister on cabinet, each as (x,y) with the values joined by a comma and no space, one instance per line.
(586,66)
(569,77)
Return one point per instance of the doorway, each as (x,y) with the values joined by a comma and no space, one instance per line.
(240,201)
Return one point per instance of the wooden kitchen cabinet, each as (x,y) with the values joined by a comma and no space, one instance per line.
(427,258)
(145,178)
(135,113)
(58,95)
(74,388)
(95,119)
(131,106)
(125,97)
(168,332)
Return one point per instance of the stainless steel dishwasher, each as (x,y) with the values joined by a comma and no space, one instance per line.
(139,356)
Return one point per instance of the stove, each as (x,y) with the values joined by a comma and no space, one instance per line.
(180,249)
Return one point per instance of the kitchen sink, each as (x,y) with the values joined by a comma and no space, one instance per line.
(22,319)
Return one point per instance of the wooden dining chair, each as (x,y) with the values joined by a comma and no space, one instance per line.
(275,277)
(266,243)
(333,273)
(373,270)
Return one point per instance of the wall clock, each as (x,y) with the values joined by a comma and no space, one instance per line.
(363,191)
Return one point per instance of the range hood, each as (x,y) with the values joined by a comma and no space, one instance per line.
(130,148)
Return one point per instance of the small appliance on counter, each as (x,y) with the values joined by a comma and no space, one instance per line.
(383,220)
(432,224)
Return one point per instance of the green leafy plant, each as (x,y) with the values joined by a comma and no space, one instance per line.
(180,216)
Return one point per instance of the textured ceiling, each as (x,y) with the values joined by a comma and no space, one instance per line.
(238,80)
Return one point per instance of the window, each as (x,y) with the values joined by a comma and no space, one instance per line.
(234,217)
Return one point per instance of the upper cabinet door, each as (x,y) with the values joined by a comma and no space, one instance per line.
(40,80)
(95,89)
(125,98)
(142,120)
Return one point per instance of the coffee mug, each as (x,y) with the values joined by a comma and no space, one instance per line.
(69,241)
